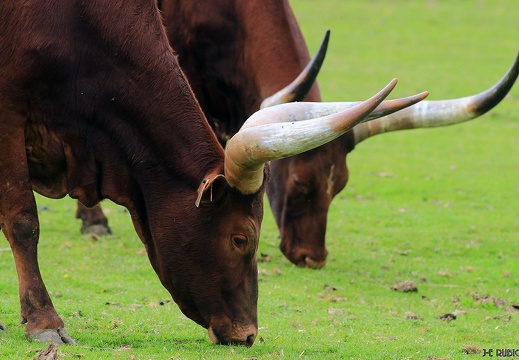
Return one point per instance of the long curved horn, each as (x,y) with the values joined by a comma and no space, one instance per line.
(441,112)
(289,129)
(299,88)
(321,109)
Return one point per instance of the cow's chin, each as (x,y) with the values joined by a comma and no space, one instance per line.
(232,334)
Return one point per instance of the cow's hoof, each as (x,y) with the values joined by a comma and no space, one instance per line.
(59,336)
(2,327)
(96,229)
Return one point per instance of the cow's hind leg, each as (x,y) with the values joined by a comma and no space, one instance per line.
(93,220)
(19,222)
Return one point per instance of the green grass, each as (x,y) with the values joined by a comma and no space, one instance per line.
(438,207)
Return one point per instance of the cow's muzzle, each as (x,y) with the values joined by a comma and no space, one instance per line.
(236,334)
(305,256)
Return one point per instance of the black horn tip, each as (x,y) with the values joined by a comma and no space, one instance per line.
(326,37)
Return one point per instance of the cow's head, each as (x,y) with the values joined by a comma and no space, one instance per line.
(212,274)
(212,271)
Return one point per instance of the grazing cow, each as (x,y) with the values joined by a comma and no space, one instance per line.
(236,55)
(96,108)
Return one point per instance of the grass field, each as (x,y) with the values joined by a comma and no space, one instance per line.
(438,207)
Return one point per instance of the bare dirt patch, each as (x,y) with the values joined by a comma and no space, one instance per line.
(405,286)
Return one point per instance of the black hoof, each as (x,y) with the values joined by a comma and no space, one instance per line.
(96,229)
(59,336)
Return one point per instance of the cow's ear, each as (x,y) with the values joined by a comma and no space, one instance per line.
(211,189)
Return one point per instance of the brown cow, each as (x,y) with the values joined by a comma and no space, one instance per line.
(96,108)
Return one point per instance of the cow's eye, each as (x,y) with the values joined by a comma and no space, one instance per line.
(301,186)
(239,241)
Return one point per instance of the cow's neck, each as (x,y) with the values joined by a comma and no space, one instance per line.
(131,130)
(154,119)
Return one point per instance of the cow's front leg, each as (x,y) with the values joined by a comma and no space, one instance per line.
(21,227)
(19,222)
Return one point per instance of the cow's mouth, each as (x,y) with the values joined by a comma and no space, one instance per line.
(236,334)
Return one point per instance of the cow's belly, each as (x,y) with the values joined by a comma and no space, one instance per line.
(46,160)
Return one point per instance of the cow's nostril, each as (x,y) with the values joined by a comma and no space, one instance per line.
(250,340)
